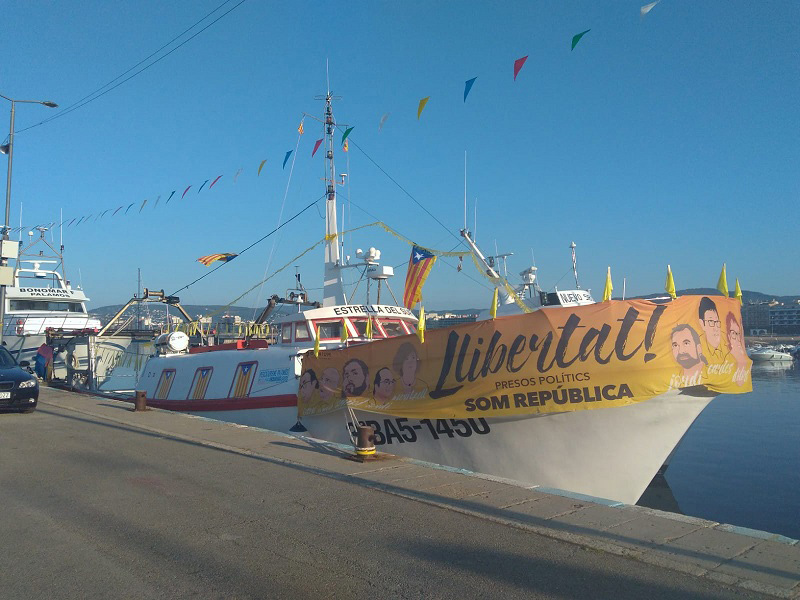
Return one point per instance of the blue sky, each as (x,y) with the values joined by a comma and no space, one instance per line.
(664,140)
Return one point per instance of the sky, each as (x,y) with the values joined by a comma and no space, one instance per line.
(664,139)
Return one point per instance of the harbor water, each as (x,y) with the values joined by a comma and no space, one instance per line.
(739,463)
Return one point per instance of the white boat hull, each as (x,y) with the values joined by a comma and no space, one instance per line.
(610,453)
(770,356)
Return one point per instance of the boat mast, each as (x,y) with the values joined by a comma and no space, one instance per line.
(333,290)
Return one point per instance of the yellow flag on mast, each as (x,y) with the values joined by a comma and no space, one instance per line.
(493,309)
(670,286)
(344,332)
(368,331)
(738,293)
(421,325)
(316,344)
(722,282)
(609,287)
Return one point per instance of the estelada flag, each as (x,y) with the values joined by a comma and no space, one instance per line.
(419,265)
(224,257)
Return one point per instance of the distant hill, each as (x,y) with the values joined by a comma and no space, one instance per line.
(747,295)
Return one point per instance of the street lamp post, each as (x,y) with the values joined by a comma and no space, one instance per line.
(4,245)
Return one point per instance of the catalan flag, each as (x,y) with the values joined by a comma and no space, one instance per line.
(164,384)
(200,384)
(242,380)
(223,257)
(419,265)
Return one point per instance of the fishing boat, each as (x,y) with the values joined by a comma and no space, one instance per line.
(598,430)
(254,382)
(43,305)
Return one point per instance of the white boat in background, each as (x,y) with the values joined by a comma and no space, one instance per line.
(255,383)
(42,303)
(769,355)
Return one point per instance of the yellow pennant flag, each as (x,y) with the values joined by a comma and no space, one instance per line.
(368,332)
(670,286)
(493,309)
(738,293)
(344,331)
(300,129)
(316,344)
(421,325)
(722,282)
(421,107)
(609,287)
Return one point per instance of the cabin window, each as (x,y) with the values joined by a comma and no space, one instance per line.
(410,326)
(393,328)
(47,305)
(301,332)
(330,330)
(286,333)
(361,327)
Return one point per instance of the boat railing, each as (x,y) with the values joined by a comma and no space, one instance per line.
(37,324)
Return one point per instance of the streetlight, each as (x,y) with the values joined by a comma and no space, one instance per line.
(6,250)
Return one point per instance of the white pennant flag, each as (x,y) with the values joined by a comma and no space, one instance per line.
(648,7)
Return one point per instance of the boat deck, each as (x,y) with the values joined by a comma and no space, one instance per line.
(160,504)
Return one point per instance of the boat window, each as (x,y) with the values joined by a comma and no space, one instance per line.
(301,332)
(47,305)
(330,330)
(393,328)
(286,332)
(361,327)
(412,328)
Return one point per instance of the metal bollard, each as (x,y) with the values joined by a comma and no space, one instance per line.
(365,442)
(140,401)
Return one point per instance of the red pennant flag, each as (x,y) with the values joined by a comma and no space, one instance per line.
(213,182)
(316,147)
(184,193)
(518,65)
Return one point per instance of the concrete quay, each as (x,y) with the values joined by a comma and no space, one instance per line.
(99,501)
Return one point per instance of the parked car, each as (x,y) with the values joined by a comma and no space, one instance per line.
(19,390)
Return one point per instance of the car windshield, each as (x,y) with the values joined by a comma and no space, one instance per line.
(6,360)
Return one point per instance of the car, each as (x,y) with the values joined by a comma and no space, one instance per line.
(19,390)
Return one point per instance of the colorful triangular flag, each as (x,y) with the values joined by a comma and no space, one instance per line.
(421,106)
(421,325)
(670,285)
(577,38)
(609,287)
(722,282)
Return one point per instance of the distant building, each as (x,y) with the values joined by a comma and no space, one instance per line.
(771,317)
(438,320)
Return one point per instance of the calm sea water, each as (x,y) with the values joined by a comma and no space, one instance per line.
(740,461)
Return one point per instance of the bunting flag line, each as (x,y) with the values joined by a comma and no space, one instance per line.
(184,192)
(346,133)
(738,293)
(468,87)
(142,206)
(670,285)
(647,8)
(383,120)
(577,38)
(421,325)
(421,107)
(235,177)
(223,257)
(419,265)
(346,146)
(518,65)
(300,128)
(722,282)
(126,210)
(609,288)
(316,147)
(261,166)
(170,197)
(215,181)
(156,204)
(285,158)
(202,186)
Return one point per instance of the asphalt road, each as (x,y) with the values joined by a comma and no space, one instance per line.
(95,509)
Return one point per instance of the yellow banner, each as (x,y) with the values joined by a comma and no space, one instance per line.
(555,359)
